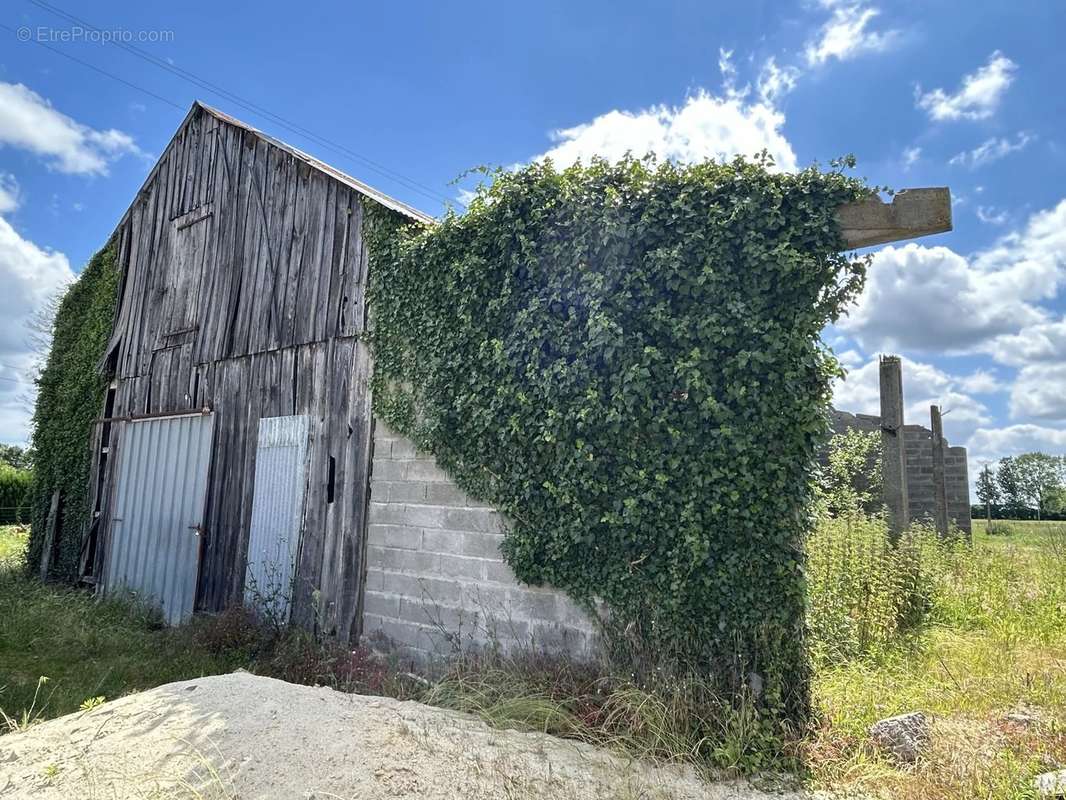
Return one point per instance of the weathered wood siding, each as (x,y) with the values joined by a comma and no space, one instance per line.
(244,291)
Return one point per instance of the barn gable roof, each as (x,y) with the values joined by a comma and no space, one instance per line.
(332,172)
(367,191)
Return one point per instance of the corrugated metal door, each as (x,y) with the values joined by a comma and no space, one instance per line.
(154,548)
(277,513)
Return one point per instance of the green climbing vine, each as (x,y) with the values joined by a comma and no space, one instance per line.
(625,360)
(70,397)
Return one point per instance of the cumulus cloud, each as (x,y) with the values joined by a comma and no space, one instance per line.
(846,35)
(977,98)
(991,150)
(29,122)
(1042,342)
(981,381)
(29,277)
(992,444)
(1039,392)
(705,126)
(931,299)
(923,385)
(911,156)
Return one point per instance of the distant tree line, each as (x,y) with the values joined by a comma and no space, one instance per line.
(1029,486)
(16,480)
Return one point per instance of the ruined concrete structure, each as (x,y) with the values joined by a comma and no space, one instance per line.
(918,446)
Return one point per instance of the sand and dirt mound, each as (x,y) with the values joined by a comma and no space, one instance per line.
(247,737)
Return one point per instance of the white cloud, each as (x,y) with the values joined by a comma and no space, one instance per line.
(992,444)
(845,34)
(991,150)
(981,381)
(911,156)
(29,122)
(705,126)
(1039,392)
(775,82)
(935,300)
(977,98)
(923,385)
(9,193)
(990,216)
(29,276)
(1044,341)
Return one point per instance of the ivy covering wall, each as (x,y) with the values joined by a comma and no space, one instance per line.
(70,397)
(625,360)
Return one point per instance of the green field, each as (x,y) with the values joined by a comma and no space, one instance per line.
(992,642)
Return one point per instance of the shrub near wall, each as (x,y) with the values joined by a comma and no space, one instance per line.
(15,486)
(625,360)
(70,397)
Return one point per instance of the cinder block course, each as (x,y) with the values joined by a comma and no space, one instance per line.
(381,604)
(466,569)
(422,516)
(424,470)
(402,449)
(385,469)
(406,491)
(448,494)
(386,514)
(394,536)
(482,545)
(442,541)
(472,519)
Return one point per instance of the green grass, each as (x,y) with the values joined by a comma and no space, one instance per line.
(84,648)
(993,641)
(1023,533)
(967,633)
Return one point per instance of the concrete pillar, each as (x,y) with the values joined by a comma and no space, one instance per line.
(893,451)
(940,492)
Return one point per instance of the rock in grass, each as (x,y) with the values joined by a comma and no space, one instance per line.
(1051,784)
(903,736)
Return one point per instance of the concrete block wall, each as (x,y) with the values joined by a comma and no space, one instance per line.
(436,581)
(921,497)
(918,449)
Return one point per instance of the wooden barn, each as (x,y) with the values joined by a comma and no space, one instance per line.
(233,452)
(237,458)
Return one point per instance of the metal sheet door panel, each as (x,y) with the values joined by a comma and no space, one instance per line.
(158,512)
(277,513)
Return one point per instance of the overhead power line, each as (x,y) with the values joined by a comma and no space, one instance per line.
(236,99)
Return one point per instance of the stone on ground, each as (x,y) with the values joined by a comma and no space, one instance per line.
(903,737)
(1051,784)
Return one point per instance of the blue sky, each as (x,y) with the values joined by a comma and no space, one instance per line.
(923,93)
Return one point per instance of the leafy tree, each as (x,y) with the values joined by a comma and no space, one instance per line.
(850,480)
(14,494)
(15,456)
(1010,487)
(1040,476)
(987,489)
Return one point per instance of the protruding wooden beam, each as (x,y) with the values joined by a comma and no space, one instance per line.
(912,213)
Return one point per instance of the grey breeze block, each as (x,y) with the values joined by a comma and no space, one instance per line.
(436,583)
